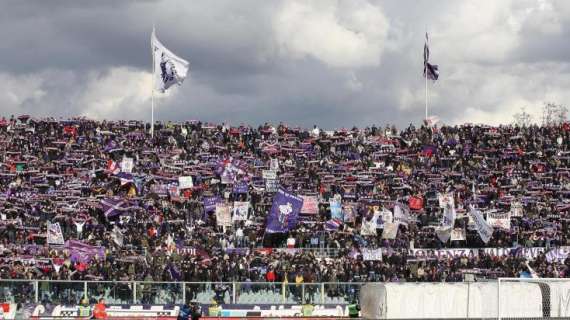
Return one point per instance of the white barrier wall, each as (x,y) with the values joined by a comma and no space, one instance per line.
(559,298)
(450,300)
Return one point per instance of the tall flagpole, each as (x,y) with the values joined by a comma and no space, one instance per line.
(152,91)
(426,78)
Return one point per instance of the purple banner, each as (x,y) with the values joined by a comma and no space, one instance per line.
(83,252)
(241,187)
(210,203)
(284,212)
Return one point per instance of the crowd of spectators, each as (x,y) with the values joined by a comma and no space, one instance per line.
(114,191)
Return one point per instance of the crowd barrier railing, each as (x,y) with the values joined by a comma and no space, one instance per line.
(69,292)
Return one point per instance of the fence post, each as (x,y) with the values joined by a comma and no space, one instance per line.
(303,293)
(499,298)
(37,291)
(84,289)
(134,292)
(183,292)
(468,298)
(322,293)
(233,292)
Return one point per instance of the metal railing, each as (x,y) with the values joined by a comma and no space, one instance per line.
(70,292)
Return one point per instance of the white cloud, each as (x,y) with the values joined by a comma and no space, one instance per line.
(119,93)
(345,33)
(104,94)
(497,98)
(18,90)
(488,31)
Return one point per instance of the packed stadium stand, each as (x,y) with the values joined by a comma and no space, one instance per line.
(273,215)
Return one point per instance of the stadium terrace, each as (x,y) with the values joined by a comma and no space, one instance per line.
(197,202)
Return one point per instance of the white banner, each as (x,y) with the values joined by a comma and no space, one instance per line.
(446,199)
(240,210)
(271,185)
(558,254)
(449,215)
(390,230)
(483,228)
(443,233)
(401,214)
(310,205)
(499,220)
(269,174)
(387,216)
(223,215)
(127,165)
(185,182)
(443,253)
(54,234)
(516,209)
(372,254)
(369,226)
(458,234)
(528,253)
(274,165)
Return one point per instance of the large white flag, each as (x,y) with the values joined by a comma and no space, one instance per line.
(54,234)
(449,215)
(401,214)
(483,228)
(169,68)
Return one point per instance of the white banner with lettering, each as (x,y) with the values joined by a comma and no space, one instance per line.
(499,220)
(529,253)
(372,254)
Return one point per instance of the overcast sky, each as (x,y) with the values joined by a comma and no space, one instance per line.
(330,63)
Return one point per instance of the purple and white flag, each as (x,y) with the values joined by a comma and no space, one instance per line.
(431,71)
(284,212)
(83,252)
(113,207)
(54,234)
(333,225)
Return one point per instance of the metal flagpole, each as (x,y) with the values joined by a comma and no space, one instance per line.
(426,77)
(152,91)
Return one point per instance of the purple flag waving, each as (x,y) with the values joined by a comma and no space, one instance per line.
(83,252)
(113,207)
(284,212)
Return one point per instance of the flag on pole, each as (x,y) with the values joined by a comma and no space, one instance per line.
(169,69)
(430,70)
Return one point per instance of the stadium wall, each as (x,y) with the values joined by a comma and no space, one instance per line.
(517,298)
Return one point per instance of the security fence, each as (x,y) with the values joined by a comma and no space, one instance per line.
(144,292)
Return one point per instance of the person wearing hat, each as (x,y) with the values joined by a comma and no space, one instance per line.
(84,309)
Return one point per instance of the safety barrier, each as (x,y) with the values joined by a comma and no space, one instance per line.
(176,293)
(170,312)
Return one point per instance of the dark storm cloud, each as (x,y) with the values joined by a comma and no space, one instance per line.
(350,63)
